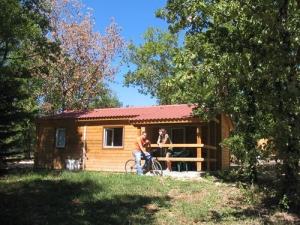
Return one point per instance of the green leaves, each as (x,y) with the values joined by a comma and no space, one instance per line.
(154,65)
(22,29)
(242,58)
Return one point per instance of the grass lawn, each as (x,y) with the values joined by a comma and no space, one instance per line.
(29,196)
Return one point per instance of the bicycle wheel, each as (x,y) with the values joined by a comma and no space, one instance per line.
(130,166)
(156,168)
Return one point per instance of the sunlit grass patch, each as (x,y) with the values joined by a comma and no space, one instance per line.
(84,197)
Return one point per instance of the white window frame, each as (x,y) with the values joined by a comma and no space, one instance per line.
(60,138)
(106,134)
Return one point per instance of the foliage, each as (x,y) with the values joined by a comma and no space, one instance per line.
(106,99)
(242,58)
(154,66)
(77,78)
(22,36)
(235,143)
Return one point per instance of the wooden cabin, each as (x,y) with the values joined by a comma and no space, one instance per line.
(102,139)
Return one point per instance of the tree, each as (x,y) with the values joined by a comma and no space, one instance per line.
(22,36)
(106,99)
(76,79)
(154,65)
(243,57)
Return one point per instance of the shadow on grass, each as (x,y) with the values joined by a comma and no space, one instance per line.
(239,214)
(61,201)
(268,189)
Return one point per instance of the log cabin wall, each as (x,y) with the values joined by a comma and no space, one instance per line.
(213,142)
(51,157)
(225,133)
(97,157)
(102,158)
(90,133)
(219,148)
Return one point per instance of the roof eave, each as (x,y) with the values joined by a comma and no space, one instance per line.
(166,121)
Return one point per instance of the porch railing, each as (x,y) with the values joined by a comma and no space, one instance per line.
(199,159)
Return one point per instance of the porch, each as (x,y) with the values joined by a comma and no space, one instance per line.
(210,158)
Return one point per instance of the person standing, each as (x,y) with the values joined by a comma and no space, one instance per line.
(163,138)
(139,144)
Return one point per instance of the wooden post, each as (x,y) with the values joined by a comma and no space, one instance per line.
(199,150)
(138,132)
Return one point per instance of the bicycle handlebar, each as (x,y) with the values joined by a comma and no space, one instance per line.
(151,153)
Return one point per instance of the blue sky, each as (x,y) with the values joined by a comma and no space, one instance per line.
(134,16)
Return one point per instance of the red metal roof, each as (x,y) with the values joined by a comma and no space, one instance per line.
(182,111)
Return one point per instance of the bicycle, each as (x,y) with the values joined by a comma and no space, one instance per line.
(155,166)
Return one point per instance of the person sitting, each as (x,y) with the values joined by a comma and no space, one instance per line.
(163,138)
(140,143)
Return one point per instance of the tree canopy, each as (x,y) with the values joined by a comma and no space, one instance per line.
(241,58)
(23,28)
(77,78)
(154,66)
(51,60)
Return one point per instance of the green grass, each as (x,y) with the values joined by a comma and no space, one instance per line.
(44,197)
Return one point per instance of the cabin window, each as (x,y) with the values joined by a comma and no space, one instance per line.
(60,140)
(113,137)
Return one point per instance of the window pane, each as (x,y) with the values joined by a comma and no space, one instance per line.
(118,137)
(109,137)
(113,137)
(60,137)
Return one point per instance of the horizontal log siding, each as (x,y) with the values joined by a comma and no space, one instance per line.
(97,157)
(225,151)
(47,155)
(101,158)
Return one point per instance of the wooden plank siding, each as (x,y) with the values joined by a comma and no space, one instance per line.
(102,158)
(97,157)
(225,133)
(201,138)
(46,154)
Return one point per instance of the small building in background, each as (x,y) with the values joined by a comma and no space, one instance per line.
(103,139)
